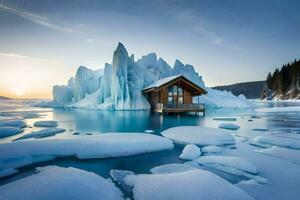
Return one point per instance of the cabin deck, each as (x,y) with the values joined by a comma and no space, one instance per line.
(179,108)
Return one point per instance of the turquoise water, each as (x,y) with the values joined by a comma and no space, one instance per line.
(101,122)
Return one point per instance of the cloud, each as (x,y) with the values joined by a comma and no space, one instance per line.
(38,19)
(197,24)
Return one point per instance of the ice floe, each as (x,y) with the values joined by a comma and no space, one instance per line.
(48,123)
(229,126)
(233,165)
(54,182)
(6,131)
(283,153)
(171,168)
(190,152)
(24,152)
(192,184)
(149,131)
(277,140)
(13,122)
(225,118)
(198,135)
(211,149)
(42,133)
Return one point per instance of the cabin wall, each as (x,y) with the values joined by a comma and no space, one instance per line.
(153,99)
(187,97)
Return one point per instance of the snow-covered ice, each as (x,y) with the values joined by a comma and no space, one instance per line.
(42,133)
(192,184)
(279,109)
(6,131)
(228,161)
(24,152)
(230,126)
(54,182)
(198,135)
(283,153)
(48,123)
(233,165)
(211,149)
(190,152)
(273,140)
(149,131)
(171,168)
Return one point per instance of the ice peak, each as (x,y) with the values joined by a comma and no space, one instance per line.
(178,64)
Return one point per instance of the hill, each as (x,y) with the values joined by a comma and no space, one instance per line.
(252,90)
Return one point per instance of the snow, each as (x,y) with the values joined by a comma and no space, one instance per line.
(273,140)
(230,126)
(7,172)
(283,153)
(279,109)
(24,152)
(119,86)
(42,133)
(190,152)
(225,118)
(54,182)
(171,168)
(228,161)
(211,149)
(6,131)
(13,122)
(193,184)
(198,135)
(49,123)
(161,82)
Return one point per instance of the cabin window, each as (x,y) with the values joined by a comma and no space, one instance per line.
(175,94)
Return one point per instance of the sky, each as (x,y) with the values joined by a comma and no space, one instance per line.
(42,42)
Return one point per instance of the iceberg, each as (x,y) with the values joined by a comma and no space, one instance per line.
(54,182)
(119,85)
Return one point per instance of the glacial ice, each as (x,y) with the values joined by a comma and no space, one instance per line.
(190,152)
(198,135)
(194,184)
(119,85)
(6,131)
(230,126)
(48,123)
(54,182)
(24,152)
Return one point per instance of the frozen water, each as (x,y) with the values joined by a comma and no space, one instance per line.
(211,149)
(190,152)
(284,153)
(225,118)
(272,140)
(61,183)
(198,135)
(14,122)
(7,172)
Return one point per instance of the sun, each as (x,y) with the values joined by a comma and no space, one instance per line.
(19,92)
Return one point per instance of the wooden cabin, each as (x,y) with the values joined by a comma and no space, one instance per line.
(174,94)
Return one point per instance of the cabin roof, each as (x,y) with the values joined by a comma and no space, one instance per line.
(167,80)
